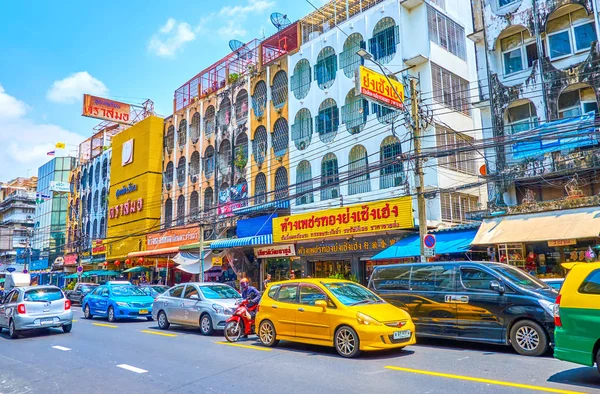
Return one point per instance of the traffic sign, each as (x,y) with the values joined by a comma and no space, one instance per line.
(429,241)
(429,252)
(80,269)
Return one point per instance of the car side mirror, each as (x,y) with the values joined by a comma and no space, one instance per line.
(194,297)
(321,304)
(497,287)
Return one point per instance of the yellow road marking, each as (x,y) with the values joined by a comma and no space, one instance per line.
(164,334)
(104,325)
(487,381)
(74,320)
(244,346)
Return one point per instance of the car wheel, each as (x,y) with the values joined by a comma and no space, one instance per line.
(149,318)
(347,342)
(267,334)
(111,314)
(598,360)
(67,328)
(163,322)
(12,330)
(87,313)
(206,327)
(528,338)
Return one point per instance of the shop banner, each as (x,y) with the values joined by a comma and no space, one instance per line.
(275,251)
(217,261)
(368,218)
(366,245)
(173,238)
(71,259)
(376,87)
(562,242)
(105,109)
(98,247)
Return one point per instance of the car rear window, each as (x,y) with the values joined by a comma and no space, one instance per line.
(273,291)
(591,284)
(43,295)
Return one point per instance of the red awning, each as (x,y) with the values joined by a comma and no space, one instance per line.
(155,252)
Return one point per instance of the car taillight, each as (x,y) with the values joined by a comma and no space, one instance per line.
(21,309)
(557,321)
(67,305)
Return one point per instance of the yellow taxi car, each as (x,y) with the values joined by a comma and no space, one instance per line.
(332,312)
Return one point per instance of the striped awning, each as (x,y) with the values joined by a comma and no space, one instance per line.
(240,242)
(256,208)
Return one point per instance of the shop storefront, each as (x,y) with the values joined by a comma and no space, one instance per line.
(279,261)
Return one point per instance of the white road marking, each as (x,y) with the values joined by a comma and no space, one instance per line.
(132,369)
(464,358)
(64,349)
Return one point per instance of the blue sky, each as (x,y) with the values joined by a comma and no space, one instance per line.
(53,51)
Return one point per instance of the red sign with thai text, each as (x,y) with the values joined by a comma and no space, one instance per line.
(101,108)
(126,208)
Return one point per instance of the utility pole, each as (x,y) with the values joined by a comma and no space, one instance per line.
(414,100)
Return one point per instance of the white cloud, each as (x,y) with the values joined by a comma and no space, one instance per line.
(71,89)
(231,30)
(253,6)
(171,38)
(10,107)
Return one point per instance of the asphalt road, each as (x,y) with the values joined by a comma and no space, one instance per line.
(136,357)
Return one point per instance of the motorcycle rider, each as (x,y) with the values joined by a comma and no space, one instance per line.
(251,294)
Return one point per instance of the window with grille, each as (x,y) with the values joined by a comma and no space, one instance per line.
(91,176)
(84,179)
(349,60)
(260,189)
(95,201)
(208,199)
(280,137)
(301,80)
(446,33)
(302,129)
(170,139)
(195,128)
(450,90)
(330,179)
(259,145)
(180,210)
(355,112)
(168,176)
(182,134)
(259,99)
(241,106)
(385,115)
(386,37)
(209,161)
(98,169)
(279,90)
(224,114)
(104,169)
(209,121)
(241,151)
(194,170)
(304,186)
(168,213)
(95,229)
(194,201)
(181,171)
(84,206)
(359,180)
(326,68)
(102,228)
(103,198)
(391,164)
(224,160)
(328,120)
(465,158)
(281,184)
(455,206)
(87,228)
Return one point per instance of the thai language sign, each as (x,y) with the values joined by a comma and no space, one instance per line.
(172,238)
(101,108)
(127,208)
(365,244)
(275,251)
(378,88)
(386,215)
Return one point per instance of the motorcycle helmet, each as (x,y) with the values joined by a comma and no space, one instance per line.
(244,283)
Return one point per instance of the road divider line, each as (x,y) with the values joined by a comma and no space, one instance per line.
(481,380)
(132,368)
(164,334)
(64,349)
(105,325)
(245,346)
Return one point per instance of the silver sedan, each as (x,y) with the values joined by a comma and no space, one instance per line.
(203,305)
(35,307)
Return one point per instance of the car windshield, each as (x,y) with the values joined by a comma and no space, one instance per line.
(352,294)
(43,295)
(126,291)
(520,277)
(88,287)
(158,289)
(219,292)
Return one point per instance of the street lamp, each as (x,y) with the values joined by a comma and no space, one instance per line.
(364,54)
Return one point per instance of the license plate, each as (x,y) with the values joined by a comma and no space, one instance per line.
(402,334)
(48,320)
(143,311)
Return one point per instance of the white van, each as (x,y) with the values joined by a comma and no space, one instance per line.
(15,279)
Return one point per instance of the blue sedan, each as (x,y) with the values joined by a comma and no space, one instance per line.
(117,301)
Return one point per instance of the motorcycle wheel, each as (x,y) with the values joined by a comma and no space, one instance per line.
(234,331)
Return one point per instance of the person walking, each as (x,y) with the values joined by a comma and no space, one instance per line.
(267,281)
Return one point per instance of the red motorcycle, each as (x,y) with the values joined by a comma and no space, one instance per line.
(241,322)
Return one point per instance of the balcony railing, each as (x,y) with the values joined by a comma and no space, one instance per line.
(556,163)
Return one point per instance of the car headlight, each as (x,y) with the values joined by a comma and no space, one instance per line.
(218,308)
(121,303)
(548,306)
(367,320)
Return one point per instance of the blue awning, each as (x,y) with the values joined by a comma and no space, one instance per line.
(446,242)
(239,242)
(261,207)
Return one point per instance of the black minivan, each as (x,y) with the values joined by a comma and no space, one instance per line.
(472,301)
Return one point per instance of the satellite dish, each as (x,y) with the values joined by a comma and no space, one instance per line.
(235,45)
(280,21)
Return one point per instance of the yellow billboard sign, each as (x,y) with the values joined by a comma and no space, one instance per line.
(368,218)
(377,87)
(217,261)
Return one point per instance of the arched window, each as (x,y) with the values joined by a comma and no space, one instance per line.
(385,115)
(355,112)
(240,191)
(577,100)
(195,128)
(209,120)
(349,60)
(241,151)
(84,207)
(301,80)
(89,204)
(194,205)
(521,116)
(326,68)
(570,33)
(281,184)
(279,90)
(208,199)
(328,120)
(224,114)
(241,106)
(280,137)
(386,36)
(168,176)
(98,169)
(95,229)
(330,179)
(170,139)
(103,197)
(224,193)
(209,161)
(359,180)
(260,189)
(182,134)
(259,99)
(194,170)
(104,169)
(87,229)
(84,179)
(304,186)
(224,160)
(102,228)
(180,210)
(518,49)
(391,163)
(259,145)
(91,176)
(181,171)
(168,213)
(95,201)
(302,129)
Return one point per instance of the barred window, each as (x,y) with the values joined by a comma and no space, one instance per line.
(359,180)
(301,80)
(465,158)
(168,176)
(168,213)
(182,134)
(302,129)
(241,151)
(330,179)
(281,184)
(208,199)
(327,120)
(279,90)
(259,145)
(91,176)
(280,137)
(304,194)
(259,99)
(326,68)
(391,163)
(102,199)
(104,169)
(209,120)
(181,171)
(97,175)
(456,205)
(355,112)
(170,139)
(84,179)
(241,106)
(385,115)
(195,128)
(194,201)
(102,228)
(180,210)
(260,189)
(96,201)
(349,60)
(386,37)
(224,160)
(450,90)
(446,33)
(95,229)
(209,161)
(194,170)
(224,114)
